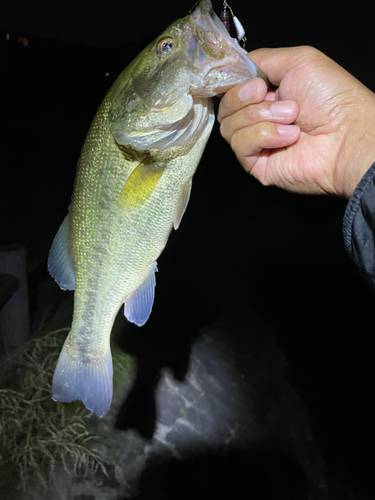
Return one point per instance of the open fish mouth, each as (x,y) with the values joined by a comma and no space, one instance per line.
(169,105)
(225,63)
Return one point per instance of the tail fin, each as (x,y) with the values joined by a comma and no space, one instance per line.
(84,379)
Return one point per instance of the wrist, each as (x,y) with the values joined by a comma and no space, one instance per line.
(356,167)
(357,151)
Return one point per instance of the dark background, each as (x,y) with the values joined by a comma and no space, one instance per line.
(242,249)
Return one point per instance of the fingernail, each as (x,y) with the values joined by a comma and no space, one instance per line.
(246,93)
(287,130)
(282,109)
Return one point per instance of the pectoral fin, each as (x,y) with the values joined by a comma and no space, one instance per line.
(139,304)
(60,263)
(140,185)
(182,203)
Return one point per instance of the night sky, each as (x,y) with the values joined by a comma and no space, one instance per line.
(242,249)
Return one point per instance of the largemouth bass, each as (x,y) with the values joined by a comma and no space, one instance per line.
(132,187)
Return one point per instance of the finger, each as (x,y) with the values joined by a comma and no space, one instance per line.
(276,63)
(284,112)
(270,96)
(265,135)
(240,96)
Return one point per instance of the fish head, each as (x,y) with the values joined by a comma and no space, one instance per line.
(219,60)
(161,98)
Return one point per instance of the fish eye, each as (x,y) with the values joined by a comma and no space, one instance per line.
(165,46)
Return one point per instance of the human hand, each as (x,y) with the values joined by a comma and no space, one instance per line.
(315,134)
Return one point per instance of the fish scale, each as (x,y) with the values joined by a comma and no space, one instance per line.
(132,186)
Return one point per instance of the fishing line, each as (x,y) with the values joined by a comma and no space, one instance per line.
(225,18)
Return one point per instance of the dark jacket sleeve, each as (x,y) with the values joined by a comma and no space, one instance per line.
(359,226)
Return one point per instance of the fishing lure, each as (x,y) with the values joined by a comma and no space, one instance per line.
(225,18)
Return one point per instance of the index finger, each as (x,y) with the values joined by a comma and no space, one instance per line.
(242,95)
(276,63)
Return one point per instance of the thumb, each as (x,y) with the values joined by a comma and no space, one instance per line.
(276,63)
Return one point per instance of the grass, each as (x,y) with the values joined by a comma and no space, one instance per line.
(37,434)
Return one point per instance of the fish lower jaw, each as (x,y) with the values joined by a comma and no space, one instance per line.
(218,79)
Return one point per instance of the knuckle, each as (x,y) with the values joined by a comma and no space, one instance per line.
(230,99)
(264,131)
(265,181)
(250,113)
(309,52)
(252,138)
(247,163)
(224,129)
(238,142)
(235,142)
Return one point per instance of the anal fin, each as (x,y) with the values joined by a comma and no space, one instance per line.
(138,305)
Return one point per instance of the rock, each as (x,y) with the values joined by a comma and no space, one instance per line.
(233,420)
(14,300)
